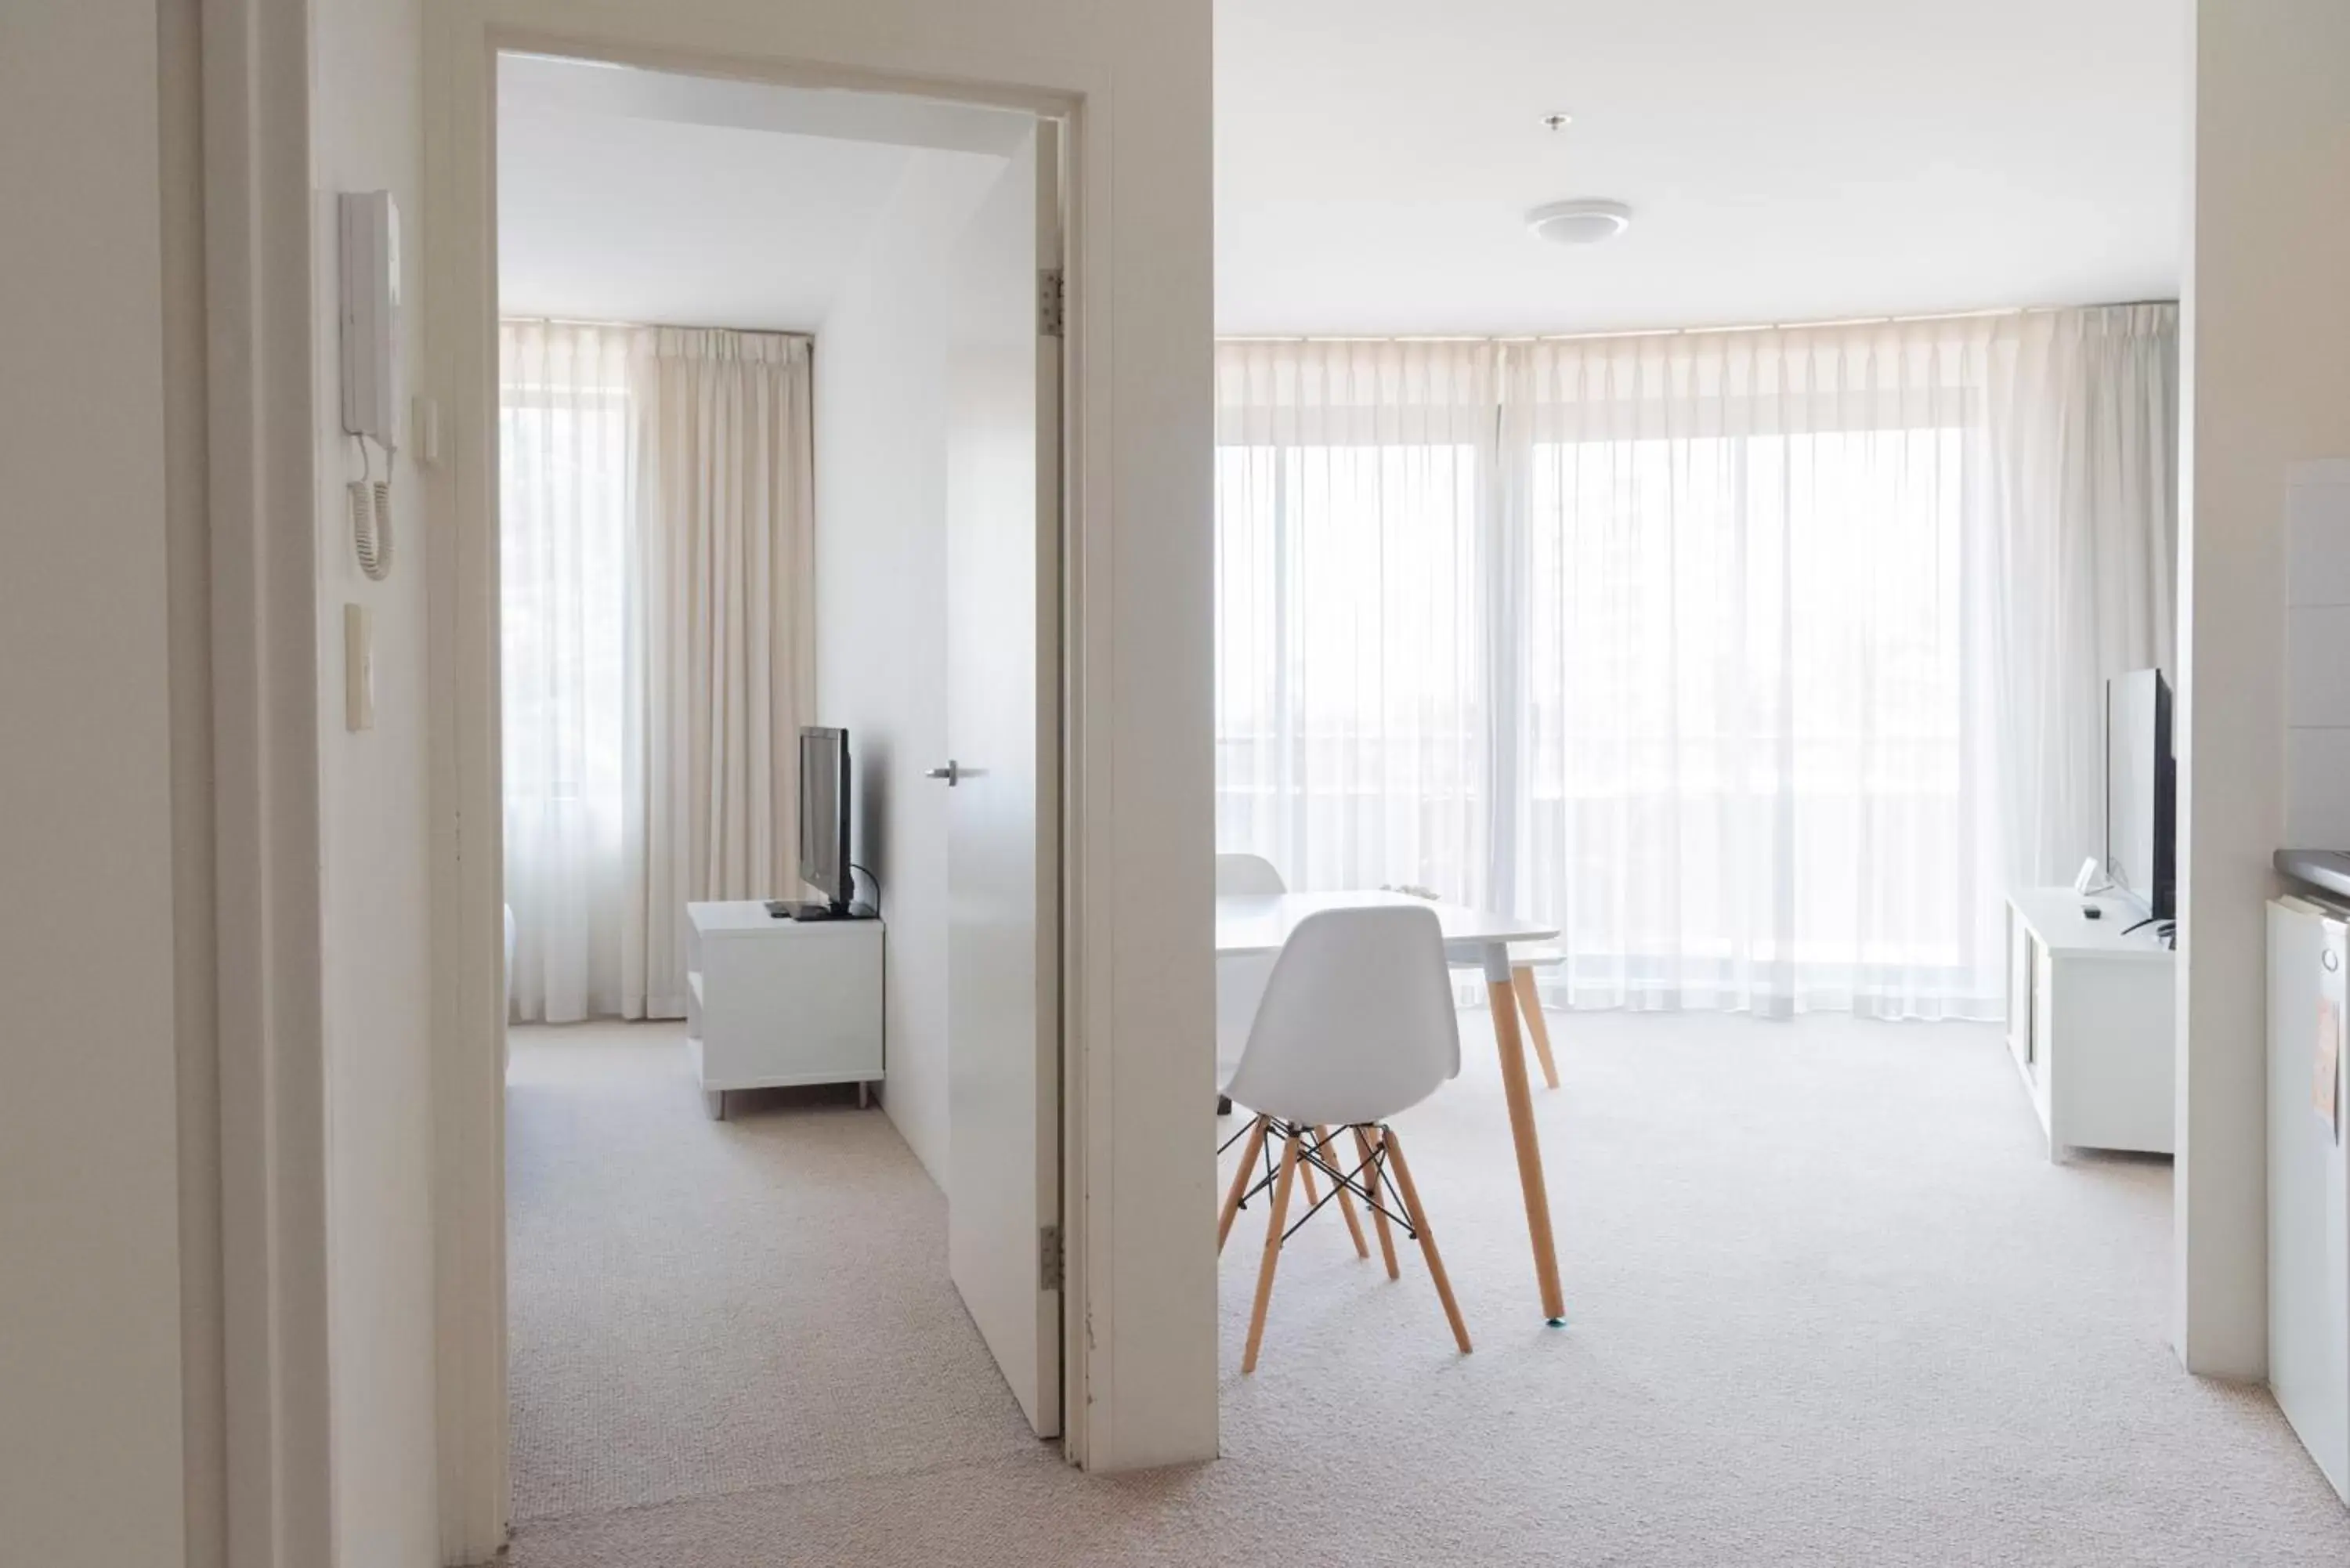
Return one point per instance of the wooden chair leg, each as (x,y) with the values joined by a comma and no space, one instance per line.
(1411,1206)
(1346,1199)
(1305,1175)
(1522,981)
(1378,1214)
(1274,1224)
(1249,1153)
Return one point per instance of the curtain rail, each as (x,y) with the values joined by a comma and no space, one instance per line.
(1680,331)
(650,326)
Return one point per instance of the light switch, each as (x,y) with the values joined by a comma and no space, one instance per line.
(358,667)
(424,430)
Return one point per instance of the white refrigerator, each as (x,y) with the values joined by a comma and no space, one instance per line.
(2309,1177)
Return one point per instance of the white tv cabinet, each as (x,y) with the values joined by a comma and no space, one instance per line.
(2090,1013)
(772,1002)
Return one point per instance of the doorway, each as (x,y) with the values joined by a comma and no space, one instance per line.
(779,454)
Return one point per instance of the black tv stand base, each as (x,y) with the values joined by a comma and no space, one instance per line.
(791,909)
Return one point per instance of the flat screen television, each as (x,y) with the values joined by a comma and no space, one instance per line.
(2141,791)
(824,814)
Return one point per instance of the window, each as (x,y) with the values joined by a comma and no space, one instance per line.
(563,590)
(1351,719)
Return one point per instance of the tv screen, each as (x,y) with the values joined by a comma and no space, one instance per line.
(824,812)
(2139,784)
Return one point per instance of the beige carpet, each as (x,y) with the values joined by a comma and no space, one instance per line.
(1828,1305)
(702,1308)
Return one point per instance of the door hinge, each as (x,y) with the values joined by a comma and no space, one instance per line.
(1049,1258)
(1052,299)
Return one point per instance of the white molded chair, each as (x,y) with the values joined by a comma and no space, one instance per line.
(1240,981)
(1247,875)
(1357,1026)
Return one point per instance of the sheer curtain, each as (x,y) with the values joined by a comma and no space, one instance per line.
(1752,778)
(1353,735)
(1780,652)
(656,533)
(563,537)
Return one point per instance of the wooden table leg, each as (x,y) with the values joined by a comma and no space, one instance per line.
(1502,993)
(1522,980)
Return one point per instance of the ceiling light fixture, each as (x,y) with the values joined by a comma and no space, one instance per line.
(1579,222)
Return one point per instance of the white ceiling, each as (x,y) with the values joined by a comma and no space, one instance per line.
(615,219)
(629,195)
(1799,160)
(1796,160)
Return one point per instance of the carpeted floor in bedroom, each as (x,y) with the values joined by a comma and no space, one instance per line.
(1829,1303)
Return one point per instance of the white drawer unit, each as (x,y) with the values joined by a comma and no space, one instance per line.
(2091,1006)
(2309,1179)
(772,1002)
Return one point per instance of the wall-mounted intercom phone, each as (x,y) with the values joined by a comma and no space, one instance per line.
(370,247)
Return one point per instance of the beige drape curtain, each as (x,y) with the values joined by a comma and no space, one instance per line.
(657,531)
(721,579)
(2083,537)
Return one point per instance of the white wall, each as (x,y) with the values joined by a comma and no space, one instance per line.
(2265,376)
(90,1434)
(194,891)
(367,134)
(880,551)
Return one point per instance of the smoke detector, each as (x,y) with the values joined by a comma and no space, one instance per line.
(1579,222)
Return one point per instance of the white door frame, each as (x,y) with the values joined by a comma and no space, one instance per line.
(262,1492)
(462,43)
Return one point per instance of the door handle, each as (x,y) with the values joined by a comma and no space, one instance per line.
(948,772)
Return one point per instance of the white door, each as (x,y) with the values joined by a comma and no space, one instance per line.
(1004,552)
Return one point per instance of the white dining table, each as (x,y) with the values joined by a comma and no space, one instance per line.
(1249,924)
